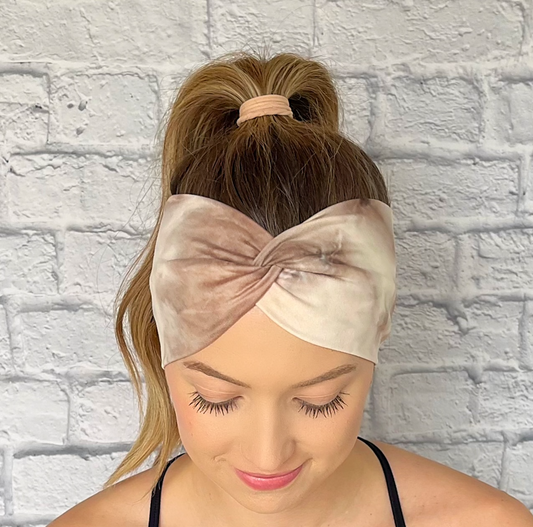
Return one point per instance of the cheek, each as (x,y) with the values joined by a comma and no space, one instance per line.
(348,421)
(339,431)
(197,430)
(185,414)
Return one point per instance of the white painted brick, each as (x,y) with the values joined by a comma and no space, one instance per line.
(24,108)
(120,190)
(33,411)
(506,399)
(43,187)
(440,108)
(490,332)
(425,260)
(416,402)
(132,33)
(23,88)
(355,109)
(519,471)
(96,263)
(509,112)
(425,334)
(104,412)
(499,260)
(529,333)
(104,108)
(88,188)
(286,23)
(5,349)
(480,460)
(27,263)
(62,339)
(428,189)
(51,484)
(2,486)
(419,32)
(528,201)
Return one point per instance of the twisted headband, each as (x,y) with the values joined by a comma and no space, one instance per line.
(330,280)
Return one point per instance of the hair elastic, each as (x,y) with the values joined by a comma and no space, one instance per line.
(264,105)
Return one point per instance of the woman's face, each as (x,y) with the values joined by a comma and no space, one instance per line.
(269,427)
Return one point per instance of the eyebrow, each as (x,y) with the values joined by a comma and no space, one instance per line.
(332,374)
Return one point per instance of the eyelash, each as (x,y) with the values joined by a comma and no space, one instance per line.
(331,407)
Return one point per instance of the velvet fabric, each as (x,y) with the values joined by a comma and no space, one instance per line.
(330,280)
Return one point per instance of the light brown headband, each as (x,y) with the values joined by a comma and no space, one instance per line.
(330,280)
(264,105)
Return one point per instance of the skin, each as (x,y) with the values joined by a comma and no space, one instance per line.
(266,431)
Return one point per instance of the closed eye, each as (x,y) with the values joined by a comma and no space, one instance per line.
(202,405)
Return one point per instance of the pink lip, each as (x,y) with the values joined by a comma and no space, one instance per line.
(268,482)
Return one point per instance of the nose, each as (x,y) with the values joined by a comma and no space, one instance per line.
(269,447)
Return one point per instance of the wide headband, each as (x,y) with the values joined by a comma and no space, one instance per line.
(330,280)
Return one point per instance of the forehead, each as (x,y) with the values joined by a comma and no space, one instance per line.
(256,344)
(255,351)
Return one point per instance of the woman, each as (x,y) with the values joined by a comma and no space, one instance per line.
(254,364)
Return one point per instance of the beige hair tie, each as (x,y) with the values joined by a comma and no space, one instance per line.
(264,105)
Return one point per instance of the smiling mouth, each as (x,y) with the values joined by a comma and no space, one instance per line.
(270,475)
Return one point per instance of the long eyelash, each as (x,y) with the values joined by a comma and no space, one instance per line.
(326,409)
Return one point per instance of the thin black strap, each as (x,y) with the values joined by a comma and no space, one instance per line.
(155,502)
(399,520)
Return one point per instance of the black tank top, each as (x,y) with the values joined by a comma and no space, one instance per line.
(155,504)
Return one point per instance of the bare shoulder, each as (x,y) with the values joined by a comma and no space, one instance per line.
(127,503)
(429,490)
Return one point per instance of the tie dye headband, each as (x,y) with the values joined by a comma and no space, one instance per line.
(330,280)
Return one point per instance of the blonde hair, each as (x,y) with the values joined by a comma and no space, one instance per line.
(276,169)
